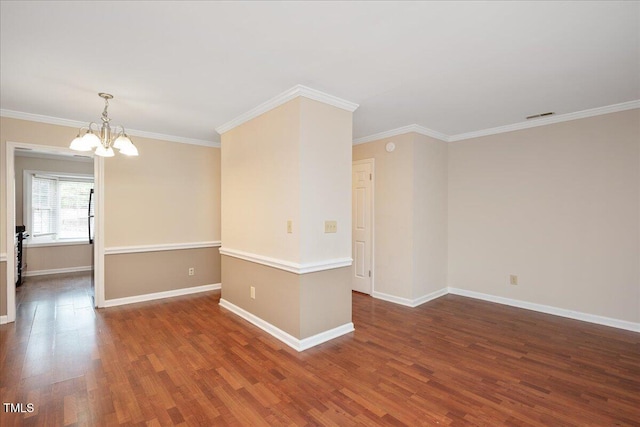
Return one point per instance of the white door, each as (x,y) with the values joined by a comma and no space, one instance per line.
(362,236)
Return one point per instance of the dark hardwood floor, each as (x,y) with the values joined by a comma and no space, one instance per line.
(186,361)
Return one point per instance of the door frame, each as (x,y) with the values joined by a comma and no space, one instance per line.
(98,248)
(372,162)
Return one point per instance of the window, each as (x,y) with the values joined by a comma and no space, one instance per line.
(56,206)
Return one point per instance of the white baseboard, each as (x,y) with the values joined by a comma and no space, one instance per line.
(29,273)
(410,302)
(291,341)
(577,315)
(4,319)
(160,295)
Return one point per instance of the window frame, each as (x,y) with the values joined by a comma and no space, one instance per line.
(27,213)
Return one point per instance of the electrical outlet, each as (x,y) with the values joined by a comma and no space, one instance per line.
(289,226)
(192,271)
(331,226)
(513,279)
(253,292)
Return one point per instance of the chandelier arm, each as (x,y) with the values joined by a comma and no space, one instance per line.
(80,130)
(118,132)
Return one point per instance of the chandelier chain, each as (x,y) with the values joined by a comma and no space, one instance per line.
(105,116)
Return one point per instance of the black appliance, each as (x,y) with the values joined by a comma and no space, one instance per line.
(21,235)
(90,216)
(90,221)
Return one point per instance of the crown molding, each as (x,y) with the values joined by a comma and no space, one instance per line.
(77,124)
(400,131)
(172,138)
(501,129)
(548,120)
(288,95)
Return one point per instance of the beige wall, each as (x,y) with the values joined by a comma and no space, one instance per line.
(261,185)
(556,205)
(38,258)
(410,214)
(289,164)
(169,194)
(325,300)
(277,292)
(325,167)
(149,272)
(429,215)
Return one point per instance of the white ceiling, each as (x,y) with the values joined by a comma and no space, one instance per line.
(184,68)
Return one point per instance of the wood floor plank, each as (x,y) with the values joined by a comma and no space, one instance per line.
(185,361)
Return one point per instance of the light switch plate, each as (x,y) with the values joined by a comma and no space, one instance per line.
(331,226)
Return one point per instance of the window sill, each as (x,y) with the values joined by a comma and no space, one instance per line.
(56,243)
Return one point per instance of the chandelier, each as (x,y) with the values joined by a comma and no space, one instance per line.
(107,139)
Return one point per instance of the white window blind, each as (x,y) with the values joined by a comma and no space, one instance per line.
(74,203)
(44,203)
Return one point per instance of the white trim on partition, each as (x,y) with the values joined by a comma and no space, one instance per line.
(325,98)
(3,257)
(77,124)
(325,336)
(410,302)
(401,131)
(577,315)
(292,267)
(288,95)
(163,247)
(29,273)
(161,295)
(291,341)
(3,320)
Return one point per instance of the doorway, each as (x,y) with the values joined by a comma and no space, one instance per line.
(363,226)
(22,150)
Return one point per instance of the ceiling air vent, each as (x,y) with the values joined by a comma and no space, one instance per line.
(535,116)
